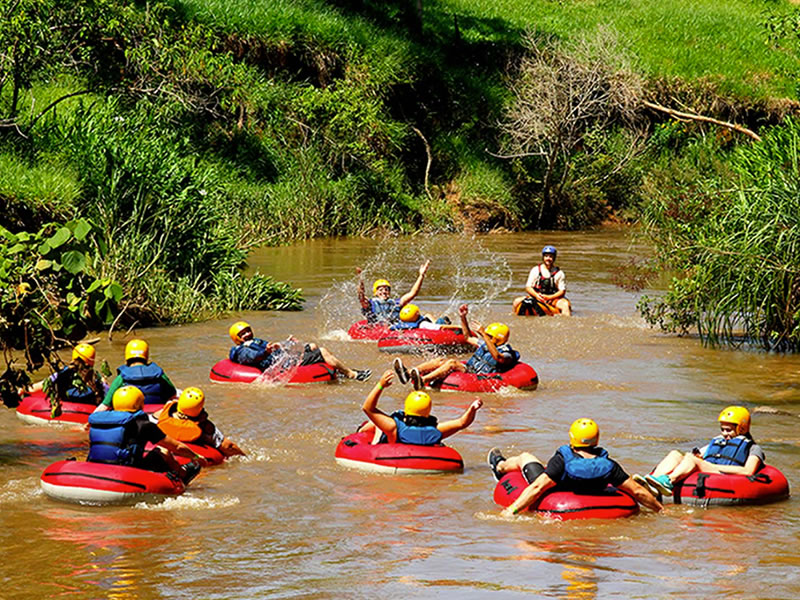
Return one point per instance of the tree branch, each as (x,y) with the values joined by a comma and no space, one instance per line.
(694,117)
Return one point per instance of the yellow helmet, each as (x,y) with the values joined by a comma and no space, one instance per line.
(137,349)
(409,313)
(739,416)
(191,401)
(378,283)
(584,433)
(85,352)
(499,332)
(236,330)
(418,404)
(128,398)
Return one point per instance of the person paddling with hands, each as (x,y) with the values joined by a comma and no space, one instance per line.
(414,424)
(581,467)
(382,308)
(492,354)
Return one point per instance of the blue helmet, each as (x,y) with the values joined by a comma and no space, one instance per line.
(550,250)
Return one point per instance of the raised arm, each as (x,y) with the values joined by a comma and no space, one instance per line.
(362,296)
(499,357)
(529,495)
(448,428)
(417,285)
(463,311)
(370,407)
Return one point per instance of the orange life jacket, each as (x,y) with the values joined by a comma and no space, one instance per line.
(181,429)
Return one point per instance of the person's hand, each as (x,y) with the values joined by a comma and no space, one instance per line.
(292,339)
(272,347)
(507,513)
(463,310)
(387,378)
(424,268)
(477,404)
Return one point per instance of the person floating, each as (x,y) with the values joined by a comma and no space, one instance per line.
(412,318)
(732,452)
(546,285)
(77,382)
(414,424)
(140,372)
(186,420)
(493,354)
(382,308)
(581,467)
(119,436)
(255,352)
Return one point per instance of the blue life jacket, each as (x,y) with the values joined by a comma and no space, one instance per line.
(732,452)
(253,353)
(582,471)
(66,389)
(387,310)
(482,362)
(546,285)
(111,439)
(410,324)
(148,379)
(427,435)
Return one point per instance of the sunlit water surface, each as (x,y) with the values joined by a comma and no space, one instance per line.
(287,521)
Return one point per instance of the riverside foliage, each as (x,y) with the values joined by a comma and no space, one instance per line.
(186,132)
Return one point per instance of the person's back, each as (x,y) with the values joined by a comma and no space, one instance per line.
(113,434)
(416,429)
(586,471)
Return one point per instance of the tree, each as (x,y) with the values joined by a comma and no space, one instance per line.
(563,94)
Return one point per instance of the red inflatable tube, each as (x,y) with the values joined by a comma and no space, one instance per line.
(520,376)
(98,483)
(364,330)
(441,341)
(706,489)
(357,451)
(35,410)
(226,371)
(565,506)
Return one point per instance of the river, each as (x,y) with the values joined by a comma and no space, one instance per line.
(288,522)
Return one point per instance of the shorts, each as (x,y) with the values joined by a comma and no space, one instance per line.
(532,470)
(311,357)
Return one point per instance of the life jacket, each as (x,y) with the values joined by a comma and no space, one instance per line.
(70,387)
(112,438)
(583,471)
(734,451)
(183,430)
(427,435)
(253,353)
(148,379)
(546,285)
(387,310)
(482,361)
(410,324)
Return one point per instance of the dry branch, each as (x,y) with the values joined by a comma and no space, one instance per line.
(677,114)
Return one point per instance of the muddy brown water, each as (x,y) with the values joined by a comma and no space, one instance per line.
(288,522)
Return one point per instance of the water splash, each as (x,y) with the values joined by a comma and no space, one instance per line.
(189,502)
(461,268)
(284,367)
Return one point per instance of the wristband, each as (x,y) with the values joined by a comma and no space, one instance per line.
(380,385)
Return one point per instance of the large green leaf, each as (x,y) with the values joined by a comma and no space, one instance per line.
(82,229)
(60,237)
(73,261)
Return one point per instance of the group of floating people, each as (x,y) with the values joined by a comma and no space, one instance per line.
(142,421)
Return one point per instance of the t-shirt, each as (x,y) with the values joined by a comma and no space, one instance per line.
(555,470)
(558,279)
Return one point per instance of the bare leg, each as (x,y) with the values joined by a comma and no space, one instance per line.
(515,463)
(688,465)
(564,306)
(517,302)
(668,463)
(443,370)
(336,363)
